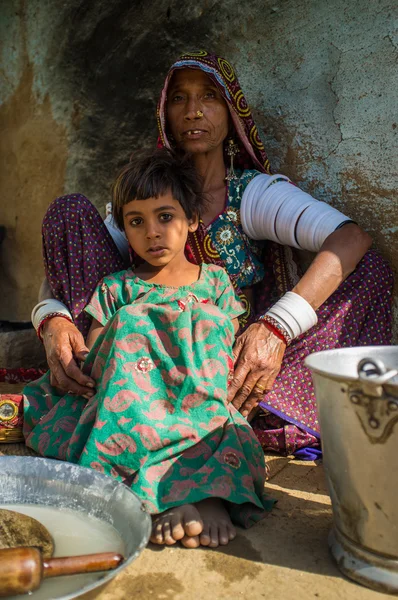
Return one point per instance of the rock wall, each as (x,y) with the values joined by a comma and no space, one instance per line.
(81,81)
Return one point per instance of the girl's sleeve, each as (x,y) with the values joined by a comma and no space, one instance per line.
(227,299)
(102,305)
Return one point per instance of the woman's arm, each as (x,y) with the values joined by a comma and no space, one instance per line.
(259,352)
(339,255)
(45,291)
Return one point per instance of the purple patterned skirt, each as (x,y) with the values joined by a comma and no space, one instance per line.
(357,314)
(78,251)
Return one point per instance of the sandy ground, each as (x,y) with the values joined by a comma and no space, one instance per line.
(284,556)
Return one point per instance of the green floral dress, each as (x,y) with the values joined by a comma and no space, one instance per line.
(159,420)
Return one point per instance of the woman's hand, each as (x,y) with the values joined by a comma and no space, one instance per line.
(64,343)
(258,355)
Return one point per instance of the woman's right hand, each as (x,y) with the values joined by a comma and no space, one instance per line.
(64,344)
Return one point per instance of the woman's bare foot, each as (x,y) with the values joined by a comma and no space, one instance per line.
(217,526)
(176,524)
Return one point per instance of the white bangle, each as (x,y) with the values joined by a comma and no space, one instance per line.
(293,313)
(47,307)
(253,191)
(272,208)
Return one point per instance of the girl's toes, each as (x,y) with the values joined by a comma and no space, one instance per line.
(214,539)
(204,537)
(193,524)
(231,532)
(194,528)
(223,535)
(190,541)
(168,538)
(157,533)
(177,529)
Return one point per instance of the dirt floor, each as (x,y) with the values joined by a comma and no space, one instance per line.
(284,556)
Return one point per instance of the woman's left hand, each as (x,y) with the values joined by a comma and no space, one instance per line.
(258,355)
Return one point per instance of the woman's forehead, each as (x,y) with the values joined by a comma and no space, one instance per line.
(188,77)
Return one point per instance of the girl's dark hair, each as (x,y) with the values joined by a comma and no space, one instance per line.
(151,176)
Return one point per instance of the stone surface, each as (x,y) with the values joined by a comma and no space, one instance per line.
(82,80)
(21,348)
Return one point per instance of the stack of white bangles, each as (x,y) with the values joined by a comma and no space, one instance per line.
(274,209)
(292,316)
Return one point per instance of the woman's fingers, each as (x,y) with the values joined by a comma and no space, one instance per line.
(240,374)
(61,367)
(62,341)
(55,384)
(245,390)
(79,351)
(261,387)
(259,355)
(81,354)
(79,382)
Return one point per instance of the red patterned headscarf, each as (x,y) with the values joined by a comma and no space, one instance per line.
(252,154)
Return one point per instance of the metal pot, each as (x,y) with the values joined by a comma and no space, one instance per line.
(357,396)
(31,480)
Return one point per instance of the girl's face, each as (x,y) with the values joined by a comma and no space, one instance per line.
(157,229)
(197,114)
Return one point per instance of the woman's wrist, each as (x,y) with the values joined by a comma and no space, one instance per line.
(46,321)
(276,328)
(46,310)
(292,316)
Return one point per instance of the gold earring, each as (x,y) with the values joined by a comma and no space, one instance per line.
(232,150)
(199,113)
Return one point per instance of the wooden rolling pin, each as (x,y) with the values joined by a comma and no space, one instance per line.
(23,569)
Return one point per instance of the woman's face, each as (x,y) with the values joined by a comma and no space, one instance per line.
(197,114)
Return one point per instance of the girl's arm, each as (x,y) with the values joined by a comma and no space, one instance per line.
(235,323)
(95,331)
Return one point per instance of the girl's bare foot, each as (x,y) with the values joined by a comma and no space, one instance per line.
(217,526)
(176,524)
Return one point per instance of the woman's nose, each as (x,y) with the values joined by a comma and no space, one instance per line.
(193,110)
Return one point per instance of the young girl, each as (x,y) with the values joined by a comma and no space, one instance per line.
(161,353)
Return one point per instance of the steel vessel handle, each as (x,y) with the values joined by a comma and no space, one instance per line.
(374,372)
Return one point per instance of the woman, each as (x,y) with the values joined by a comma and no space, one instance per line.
(202,110)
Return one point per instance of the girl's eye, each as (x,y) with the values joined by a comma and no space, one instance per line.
(165,217)
(135,222)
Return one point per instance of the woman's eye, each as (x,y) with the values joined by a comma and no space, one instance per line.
(165,217)
(177,98)
(210,94)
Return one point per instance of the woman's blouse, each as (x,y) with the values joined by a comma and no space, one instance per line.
(225,240)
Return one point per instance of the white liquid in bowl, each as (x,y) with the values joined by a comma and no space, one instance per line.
(74,533)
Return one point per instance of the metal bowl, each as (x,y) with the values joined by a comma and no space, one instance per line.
(62,485)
